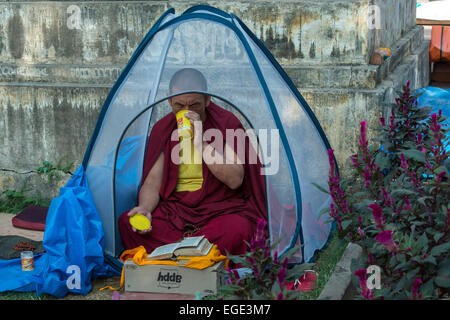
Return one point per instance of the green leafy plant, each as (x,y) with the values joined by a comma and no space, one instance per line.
(14,201)
(400,213)
(269,275)
(51,171)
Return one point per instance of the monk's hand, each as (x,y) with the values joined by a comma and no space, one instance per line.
(144,212)
(197,129)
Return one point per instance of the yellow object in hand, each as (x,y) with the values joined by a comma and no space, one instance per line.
(184,125)
(140,222)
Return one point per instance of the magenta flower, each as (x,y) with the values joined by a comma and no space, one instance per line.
(282,273)
(407,206)
(403,163)
(259,241)
(260,230)
(385,238)
(393,124)
(335,215)
(435,126)
(440,176)
(275,257)
(437,147)
(377,214)
(387,199)
(420,138)
(382,121)
(361,233)
(415,289)
(363,142)
(365,291)
(355,161)
(332,172)
(254,266)
(367,175)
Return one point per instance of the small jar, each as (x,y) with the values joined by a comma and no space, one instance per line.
(27,260)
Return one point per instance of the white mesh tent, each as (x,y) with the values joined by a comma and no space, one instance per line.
(244,78)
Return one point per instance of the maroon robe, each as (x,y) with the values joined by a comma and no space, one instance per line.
(226,217)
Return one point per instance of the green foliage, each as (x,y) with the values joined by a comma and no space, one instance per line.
(400,213)
(51,171)
(14,201)
(268,277)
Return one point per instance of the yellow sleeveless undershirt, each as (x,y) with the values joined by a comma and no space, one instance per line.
(190,176)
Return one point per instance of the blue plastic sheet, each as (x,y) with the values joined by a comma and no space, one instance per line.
(437,99)
(73,241)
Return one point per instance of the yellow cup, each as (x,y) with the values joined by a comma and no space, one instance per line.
(184,125)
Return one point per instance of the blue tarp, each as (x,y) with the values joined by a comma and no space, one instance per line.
(73,240)
(437,99)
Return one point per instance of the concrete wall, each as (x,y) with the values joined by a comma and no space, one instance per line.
(55,74)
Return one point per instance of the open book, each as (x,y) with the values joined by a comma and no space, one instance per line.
(191,246)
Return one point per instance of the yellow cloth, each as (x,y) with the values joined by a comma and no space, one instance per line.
(139,256)
(190,176)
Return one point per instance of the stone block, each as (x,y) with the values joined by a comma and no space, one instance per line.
(41,122)
(297,32)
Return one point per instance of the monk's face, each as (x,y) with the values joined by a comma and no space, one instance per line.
(195,102)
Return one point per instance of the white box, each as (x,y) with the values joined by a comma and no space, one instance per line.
(172,279)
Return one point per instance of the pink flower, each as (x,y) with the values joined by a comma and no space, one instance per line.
(440,176)
(420,138)
(403,163)
(363,139)
(260,230)
(382,121)
(385,238)
(367,175)
(415,289)
(355,161)
(435,126)
(282,273)
(387,199)
(377,214)
(407,206)
(332,172)
(259,241)
(254,266)
(335,215)
(275,257)
(361,233)
(365,291)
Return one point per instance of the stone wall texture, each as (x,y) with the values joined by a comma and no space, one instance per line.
(55,72)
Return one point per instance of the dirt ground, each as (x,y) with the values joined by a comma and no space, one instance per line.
(95,293)
(6,228)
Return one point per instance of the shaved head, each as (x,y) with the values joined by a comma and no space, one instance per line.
(187,79)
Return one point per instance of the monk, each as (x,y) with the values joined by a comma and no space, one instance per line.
(221,199)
